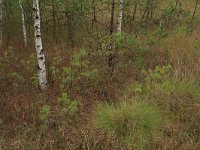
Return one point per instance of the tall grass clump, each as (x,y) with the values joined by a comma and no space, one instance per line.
(136,122)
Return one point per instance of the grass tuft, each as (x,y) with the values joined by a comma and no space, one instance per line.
(136,122)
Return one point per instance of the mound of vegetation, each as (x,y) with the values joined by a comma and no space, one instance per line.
(136,122)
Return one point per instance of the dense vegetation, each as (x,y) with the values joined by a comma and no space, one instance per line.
(121,74)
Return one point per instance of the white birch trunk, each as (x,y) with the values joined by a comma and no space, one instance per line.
(23,24)
(120,17)
(38,46)
(1,23)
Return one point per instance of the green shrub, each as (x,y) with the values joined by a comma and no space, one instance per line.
(43,115)
(136,122)
(69,106)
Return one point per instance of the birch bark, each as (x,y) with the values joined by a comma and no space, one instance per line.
(38,46)
(120,17)
(23,23)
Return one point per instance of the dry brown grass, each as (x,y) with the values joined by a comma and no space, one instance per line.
(184,53)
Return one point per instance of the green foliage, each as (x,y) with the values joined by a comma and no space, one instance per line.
(35,80)
(153,79)
(169,12)
(66,76)
(16,76)
(138,88)
(43,115)
(159,80)
(9,53)
(157,73)
(64,98)
(5,59)
(161,33)
(70,107)
(1,121)
(120,43)
(90,74)
(18,79)
(53,69)
(82,67)
(151,42)
(80,59)
(143,3)
(139,60)
(182,88)
(119,39)
(136,121)
(140,50)
(182,30)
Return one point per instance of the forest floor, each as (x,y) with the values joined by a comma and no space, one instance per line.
(165,71)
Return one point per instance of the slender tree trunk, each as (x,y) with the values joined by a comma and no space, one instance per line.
(23,24)
(1,24)
(94,13)
(111,56)
(135,10)
(145,14)
(38,46)
(171,12)
(179,12)
(120,18)
(134,16)
(54,21)
(151,10)
(70,31)
(8,20)
(194,13)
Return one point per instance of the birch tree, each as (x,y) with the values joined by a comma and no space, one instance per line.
(120,17)
(23,23)
(1,23)
(38,46)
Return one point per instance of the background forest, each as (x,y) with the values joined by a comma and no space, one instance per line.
(101,74)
